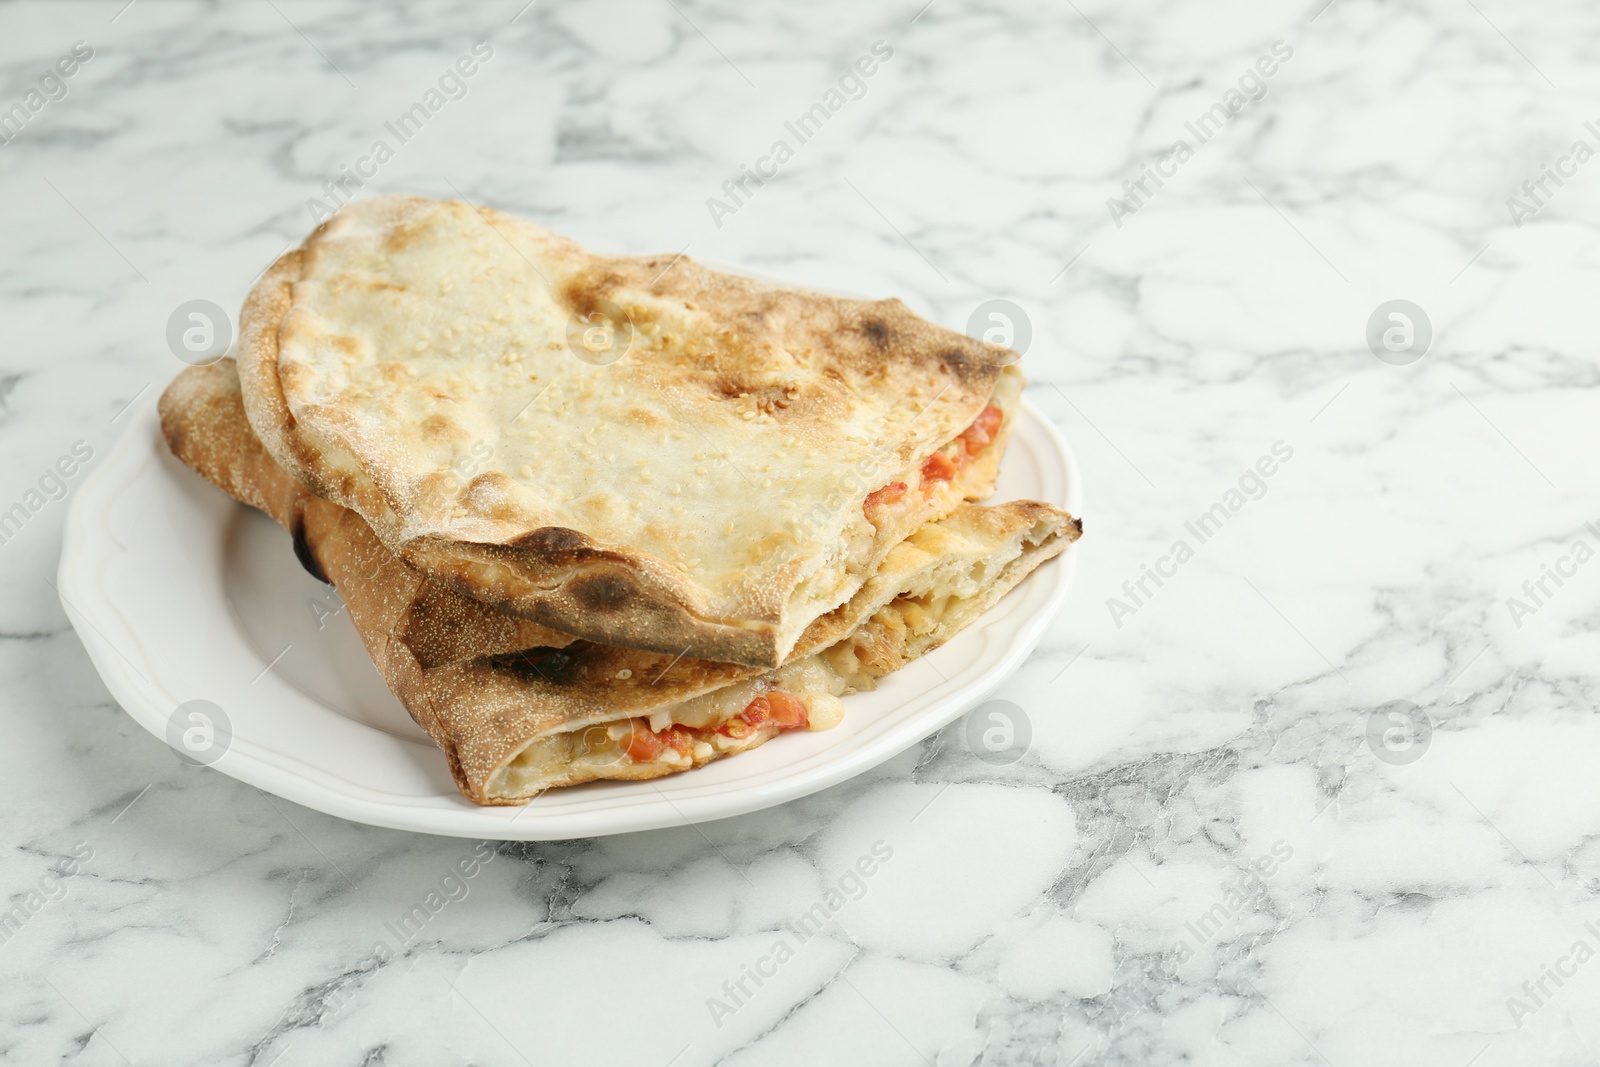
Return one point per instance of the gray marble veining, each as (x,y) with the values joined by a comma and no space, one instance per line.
(1306,777)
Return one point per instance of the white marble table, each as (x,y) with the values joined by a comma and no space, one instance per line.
(1210,851)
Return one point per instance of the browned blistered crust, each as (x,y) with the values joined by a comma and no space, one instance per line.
(761,375)
(482,683)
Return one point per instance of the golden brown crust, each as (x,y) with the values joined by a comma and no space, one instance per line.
(484,684)
(803,403)
(481,683)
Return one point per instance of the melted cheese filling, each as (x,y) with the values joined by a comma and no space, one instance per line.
(600,750)
(920,618)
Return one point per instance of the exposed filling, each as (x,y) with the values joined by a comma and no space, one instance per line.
(921,617)
(900,631)
(941,468)
(782,711)
(804,694)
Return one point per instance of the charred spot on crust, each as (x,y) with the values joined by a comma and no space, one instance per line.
(877,332)
(551,542)
(303,553)
(956,362)
(601,592)
(558,666)
(966,366)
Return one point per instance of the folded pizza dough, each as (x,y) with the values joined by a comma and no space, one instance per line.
(637,450)
(519,708)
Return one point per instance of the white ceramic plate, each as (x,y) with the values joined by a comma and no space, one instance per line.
(180,594)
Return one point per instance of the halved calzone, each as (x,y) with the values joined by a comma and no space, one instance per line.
(518,708)
(637,450)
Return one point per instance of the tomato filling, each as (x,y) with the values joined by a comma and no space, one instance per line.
(889,494)
(977,436)
(645,745)
(939,468)
(782,710)
(945,464)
